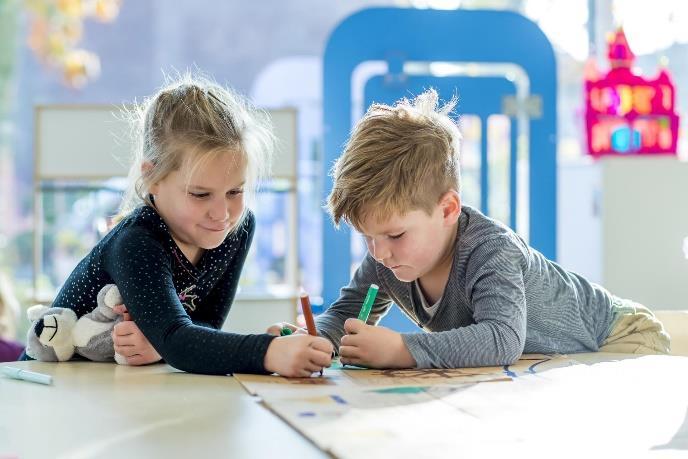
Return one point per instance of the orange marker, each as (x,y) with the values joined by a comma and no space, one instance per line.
(308,315)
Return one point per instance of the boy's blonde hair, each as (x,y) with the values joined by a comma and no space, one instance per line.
(398,159)
(188,122)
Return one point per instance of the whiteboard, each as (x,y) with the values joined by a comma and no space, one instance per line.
(92,142)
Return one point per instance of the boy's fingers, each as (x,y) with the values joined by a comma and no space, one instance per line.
(126,316)
(353,326)
(348,352)
(354,361)
(350,340)
(274,330)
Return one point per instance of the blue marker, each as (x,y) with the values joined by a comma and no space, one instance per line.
(24,375)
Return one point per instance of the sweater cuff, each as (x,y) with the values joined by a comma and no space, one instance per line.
(257,362)
(417,350)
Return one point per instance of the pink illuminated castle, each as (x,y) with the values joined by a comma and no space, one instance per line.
(626,113)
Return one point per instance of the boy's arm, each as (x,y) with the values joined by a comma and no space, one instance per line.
(330,324)
(495,288)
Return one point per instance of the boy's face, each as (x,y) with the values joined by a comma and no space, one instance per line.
(414,244)
(200,207)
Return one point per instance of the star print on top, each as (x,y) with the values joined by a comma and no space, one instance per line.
(179,307)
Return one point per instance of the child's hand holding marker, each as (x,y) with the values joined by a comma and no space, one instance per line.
(298,356)
(287,330)
(370,346)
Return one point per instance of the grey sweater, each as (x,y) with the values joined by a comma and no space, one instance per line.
(503,298)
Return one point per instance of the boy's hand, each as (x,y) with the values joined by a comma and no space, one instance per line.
(130,342)
(276,329)
(373,347)
(298,356)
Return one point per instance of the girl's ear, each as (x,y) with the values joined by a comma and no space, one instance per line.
(450,202)
(146,169)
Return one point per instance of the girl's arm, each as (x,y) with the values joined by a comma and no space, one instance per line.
(142,270)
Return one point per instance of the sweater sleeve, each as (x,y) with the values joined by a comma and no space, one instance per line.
(142,270)
(496,290)
(330,324)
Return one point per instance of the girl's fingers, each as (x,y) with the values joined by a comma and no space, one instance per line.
(322,345)
(136,359)
(125,351)
(321,359)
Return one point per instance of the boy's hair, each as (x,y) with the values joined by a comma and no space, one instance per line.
(398,159)
(188,122)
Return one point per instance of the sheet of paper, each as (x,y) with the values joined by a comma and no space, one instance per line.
(545,403)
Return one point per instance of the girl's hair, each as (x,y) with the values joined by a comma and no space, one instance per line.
(189,121)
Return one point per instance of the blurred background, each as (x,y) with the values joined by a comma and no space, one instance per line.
(612,214)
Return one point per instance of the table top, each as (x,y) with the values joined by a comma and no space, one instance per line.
(627,404)
(105,410)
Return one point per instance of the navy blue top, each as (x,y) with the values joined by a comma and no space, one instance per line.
(179,307)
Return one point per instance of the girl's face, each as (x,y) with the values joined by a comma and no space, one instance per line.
(202,205)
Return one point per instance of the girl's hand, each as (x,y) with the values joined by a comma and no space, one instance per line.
(373,347)
(130,342)
(276,329)
(298,355)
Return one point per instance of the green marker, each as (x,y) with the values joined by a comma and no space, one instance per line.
(285,331)
(368,303)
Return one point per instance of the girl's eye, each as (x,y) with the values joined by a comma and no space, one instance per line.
(396,236)
(199,195)
(235,192)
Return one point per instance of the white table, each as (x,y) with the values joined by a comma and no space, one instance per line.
(107,410)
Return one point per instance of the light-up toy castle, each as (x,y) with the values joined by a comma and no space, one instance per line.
(626,113)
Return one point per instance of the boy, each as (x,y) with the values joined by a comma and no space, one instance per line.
(481,292)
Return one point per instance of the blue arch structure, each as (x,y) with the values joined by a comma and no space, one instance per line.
(432,36)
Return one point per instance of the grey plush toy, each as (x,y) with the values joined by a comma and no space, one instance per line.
(56,334)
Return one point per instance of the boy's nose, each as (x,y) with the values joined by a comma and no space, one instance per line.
(380,251)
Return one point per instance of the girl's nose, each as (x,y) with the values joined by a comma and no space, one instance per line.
(219,212)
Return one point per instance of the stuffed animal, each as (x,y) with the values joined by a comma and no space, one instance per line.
(56,334)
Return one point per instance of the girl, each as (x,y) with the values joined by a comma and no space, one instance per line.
(177,253)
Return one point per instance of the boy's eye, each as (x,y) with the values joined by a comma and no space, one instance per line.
(396,236)
(235,192)
(199,195)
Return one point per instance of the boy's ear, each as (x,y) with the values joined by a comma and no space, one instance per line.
(450,203)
